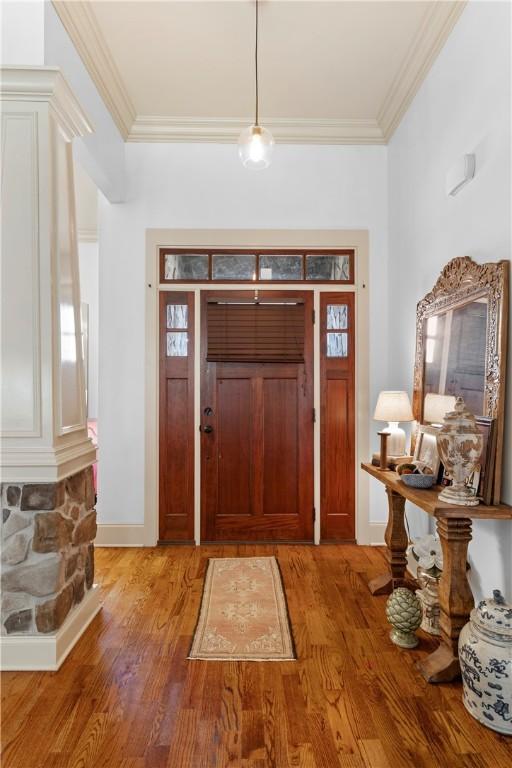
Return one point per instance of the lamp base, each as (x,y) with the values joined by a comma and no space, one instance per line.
(396,439)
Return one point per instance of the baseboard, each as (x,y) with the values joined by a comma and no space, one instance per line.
(377,531)
(46,653)
(119,535)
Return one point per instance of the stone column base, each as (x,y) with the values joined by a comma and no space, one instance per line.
(48,532)
(46,653)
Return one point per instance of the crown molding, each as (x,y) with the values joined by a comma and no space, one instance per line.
(82,27)
(150,128)
(437,24)
(46,84)
(80,23)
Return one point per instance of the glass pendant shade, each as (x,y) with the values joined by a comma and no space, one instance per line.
(255,146)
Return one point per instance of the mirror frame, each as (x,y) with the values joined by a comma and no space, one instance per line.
(461,282)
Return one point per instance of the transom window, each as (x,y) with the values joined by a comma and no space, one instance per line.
(248,266)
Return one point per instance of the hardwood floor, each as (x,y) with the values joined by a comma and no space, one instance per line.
(127,697)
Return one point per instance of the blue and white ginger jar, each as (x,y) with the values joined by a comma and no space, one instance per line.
(485,655)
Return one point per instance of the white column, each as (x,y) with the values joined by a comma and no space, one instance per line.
(43,418)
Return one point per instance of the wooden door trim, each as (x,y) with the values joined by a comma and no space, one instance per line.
(366,532)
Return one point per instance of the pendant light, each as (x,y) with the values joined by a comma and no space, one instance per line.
(255,143)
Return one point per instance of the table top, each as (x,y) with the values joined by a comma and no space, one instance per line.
(428,500)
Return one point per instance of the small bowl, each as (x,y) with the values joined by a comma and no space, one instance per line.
(418,481)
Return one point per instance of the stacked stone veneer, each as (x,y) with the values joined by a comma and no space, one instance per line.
(47,551)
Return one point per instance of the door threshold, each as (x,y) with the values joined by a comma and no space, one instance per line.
(269,542)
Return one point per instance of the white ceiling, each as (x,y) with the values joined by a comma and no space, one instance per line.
(329,70)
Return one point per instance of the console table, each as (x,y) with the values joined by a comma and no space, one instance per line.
(454,528)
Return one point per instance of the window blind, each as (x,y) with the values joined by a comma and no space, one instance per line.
(249,332)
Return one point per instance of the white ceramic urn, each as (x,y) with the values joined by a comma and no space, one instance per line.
(485,656)
(459,443)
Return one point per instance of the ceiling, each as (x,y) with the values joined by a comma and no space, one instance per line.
(331,71)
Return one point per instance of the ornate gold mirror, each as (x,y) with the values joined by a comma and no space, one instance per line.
(461,338)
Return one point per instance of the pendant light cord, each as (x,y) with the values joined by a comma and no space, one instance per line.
(256,63)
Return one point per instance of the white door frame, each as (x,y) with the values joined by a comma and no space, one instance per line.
(258,239)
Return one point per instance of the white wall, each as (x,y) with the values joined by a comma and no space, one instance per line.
(101,153)
(205,186)
(463,106)
(22,32)
(88,261)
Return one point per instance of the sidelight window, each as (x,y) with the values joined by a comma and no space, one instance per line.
(337,319)
(337,345)
(177,336)
(337,316)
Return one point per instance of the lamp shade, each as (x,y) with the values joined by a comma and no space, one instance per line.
(436,406)
(255,146)
(393,406)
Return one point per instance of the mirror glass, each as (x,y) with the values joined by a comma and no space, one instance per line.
(455,348)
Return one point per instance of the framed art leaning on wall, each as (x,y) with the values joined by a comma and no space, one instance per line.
(425,449)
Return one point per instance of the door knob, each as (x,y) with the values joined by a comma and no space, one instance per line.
(208,429)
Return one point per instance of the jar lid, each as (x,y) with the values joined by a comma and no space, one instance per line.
(460,416)
(494,615)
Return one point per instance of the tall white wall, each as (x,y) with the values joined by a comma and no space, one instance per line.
(22,33)
(205,186)
(89,293)
(463,106)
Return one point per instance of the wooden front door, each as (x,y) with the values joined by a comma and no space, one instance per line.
(257,416)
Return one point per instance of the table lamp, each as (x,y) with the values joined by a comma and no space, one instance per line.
(436,407)
(394,407)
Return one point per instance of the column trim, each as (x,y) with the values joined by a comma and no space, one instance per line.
(46,84)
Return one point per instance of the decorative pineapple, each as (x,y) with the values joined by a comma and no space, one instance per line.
(404,613)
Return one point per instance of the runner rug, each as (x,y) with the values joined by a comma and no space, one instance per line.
(243,613)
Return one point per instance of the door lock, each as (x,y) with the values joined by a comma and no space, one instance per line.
(208,429)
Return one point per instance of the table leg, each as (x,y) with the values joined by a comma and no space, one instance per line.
(455,599)
(396,540)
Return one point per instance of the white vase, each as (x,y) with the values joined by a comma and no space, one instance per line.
(485,656)
(459,443)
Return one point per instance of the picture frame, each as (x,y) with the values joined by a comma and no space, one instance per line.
(425,448)
(487,426)
(473,481)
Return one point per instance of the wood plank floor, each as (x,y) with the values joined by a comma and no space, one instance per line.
(127,697)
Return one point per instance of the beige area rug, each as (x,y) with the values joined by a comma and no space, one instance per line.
(243,613)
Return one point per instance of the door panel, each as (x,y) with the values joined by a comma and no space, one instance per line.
(234,438)
(176,444)
(337,455)
(257,441)
(280,446)
(177,464)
